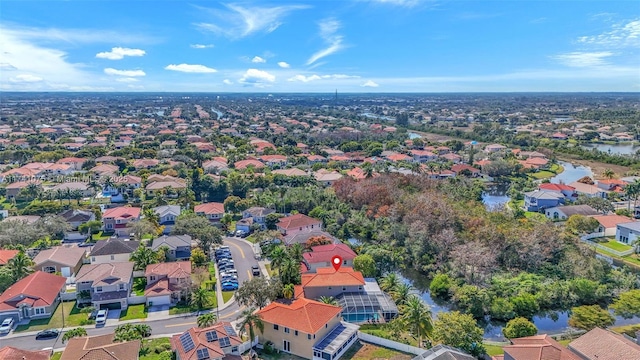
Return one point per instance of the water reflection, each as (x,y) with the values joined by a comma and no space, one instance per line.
(571,173)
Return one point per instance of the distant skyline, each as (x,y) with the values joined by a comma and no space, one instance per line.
(320,46)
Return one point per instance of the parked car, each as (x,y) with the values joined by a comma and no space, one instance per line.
(47,334)
(229,272)
(229,278)
(6,326)
(229,286)
(226,261)
(225,267)
(101,317)
(255,270)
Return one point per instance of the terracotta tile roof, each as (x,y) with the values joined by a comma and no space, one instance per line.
(209,208)
(158,288)
(556,187)
(459,167)
(600,344)
(68,254)
(297,221)
(610,221)
(243,164)
(11,353)
(290,172)
(324,253)
(345,276)
(538,347)
(101,347)
(38,289)
(122,212)
(302,314)
(199,338)
(6,255)
(177,269)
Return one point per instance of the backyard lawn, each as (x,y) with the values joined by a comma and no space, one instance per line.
(134,312)
(155,349)
(366,351)
(614,245)
(493,349)
(72,318)
(545,174)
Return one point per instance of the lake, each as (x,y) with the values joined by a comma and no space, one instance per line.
(495,196)
(413,135)
(552,323)
(218,112)
(616,149)
(571,173)
(374,116)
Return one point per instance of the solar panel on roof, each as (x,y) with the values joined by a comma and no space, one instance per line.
(187,342)
(229,329)
(202,354)
(224,342)
(212,336)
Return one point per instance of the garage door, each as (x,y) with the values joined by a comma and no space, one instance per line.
(159,300)
(111,306)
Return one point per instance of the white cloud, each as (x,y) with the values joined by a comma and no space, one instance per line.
(621,35)
(7,67)
(284,65)
(583,59)
(118,53)
(314,77)
(127,73)
(258,59)
(328,29)
(227,82)
(25,78)
(127,80)
(370,83)
(255,76)
(189,68)
(75,36)
(201,46)
(238,21)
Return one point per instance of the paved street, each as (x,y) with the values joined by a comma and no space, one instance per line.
(243,256)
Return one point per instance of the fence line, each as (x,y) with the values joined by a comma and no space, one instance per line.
(586,240)
(390,344)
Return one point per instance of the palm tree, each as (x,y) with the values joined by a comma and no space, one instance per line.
(390,282)
(206,320)
(250,322)
(330,300)
(290,271)
(288,291)
(402,294)
(608,173)
(108,183)
(277,256)
(417,316)
(20,266)
(295,252)
(199,298)
(142,257)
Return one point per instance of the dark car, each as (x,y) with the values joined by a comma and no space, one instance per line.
(47,334)
(255,270)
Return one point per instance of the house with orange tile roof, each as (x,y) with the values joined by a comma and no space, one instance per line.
(116,219)
(608,223)
(167,282)
(6,255)
(213,211)
(298,222)
(243,164)
(33,297)
(103,347)
(538,347)
(458,168)
(74,162)
(13,353)
(216,342)
(326,281)
(307,328)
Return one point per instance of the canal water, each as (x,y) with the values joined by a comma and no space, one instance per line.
(552,323)
(615,149)
(218,112)
(571,173)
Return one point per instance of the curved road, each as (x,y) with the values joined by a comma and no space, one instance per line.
(243,256)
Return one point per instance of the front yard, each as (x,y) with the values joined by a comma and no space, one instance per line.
(366,351)
(72,318)
(134,312)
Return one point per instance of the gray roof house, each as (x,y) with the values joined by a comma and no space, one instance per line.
(564,212)
(179,246)
(443,352)
(542,199)
(167,215)
(105,285)
(628,233)
(113,250)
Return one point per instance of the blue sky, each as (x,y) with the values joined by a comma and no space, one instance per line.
(320,46)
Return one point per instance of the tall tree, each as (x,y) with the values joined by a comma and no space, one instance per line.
(417,316)
(519,327)
(328,300)
(250,322)
(460,331)
(200,298)
(20,266)
(206,320)
(199,228)
(142,257)
(587,317)
(390,282)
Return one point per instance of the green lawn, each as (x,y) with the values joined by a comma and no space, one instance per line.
(631,260)
(154,349)
(545,174)
(226,295)
(56,355)
(614,245)
(72,318)
(380,331)
(493,349)
(134,312)
(138,285)
(186,309)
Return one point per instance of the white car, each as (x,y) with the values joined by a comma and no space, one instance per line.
(6,326)
(101,317)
